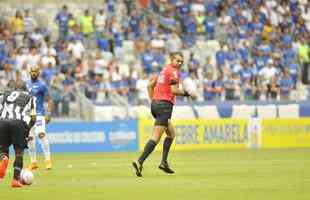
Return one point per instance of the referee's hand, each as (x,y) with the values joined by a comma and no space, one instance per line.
(191,94)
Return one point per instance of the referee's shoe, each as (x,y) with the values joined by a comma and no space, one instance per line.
(166,168)
(138,168)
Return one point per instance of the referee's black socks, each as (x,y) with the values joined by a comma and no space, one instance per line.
(148,149)
(166,147)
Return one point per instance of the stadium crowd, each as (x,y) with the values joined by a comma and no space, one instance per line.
(234,49)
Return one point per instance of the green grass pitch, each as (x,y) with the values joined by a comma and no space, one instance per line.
(200,175)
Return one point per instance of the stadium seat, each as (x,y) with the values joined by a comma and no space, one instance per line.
(103,113)
(183,112)
(119,112)
(207,112)
(108,56)
(288,111)
(119,53)
(133,112)
(74,109)
(243,111)
(186,53)
(129,58)
(141,112)
(212,47)
(128,46)
(266,111)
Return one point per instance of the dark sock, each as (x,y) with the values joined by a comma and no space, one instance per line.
(148,149)
(18,166)
(166,147)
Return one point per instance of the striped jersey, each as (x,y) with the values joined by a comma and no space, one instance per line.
(17,105)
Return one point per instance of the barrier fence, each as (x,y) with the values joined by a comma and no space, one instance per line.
(93,136)
(131,135)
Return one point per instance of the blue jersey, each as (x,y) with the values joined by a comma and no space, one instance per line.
(39,91)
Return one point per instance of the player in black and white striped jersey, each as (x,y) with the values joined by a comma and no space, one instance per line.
(17,116)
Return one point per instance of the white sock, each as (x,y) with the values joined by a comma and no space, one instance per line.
(32,150)
(46,148)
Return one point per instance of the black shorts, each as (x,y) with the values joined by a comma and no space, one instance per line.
(13,132)
(161,111)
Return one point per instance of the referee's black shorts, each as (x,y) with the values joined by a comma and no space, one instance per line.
(161,111)
(13,132)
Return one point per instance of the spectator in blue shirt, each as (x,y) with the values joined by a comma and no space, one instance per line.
(183,8)
(210,23)
(293,68)
(286,85)
(68,81)
(208,89)
(147,58)
(289,54)
(189,40)
(134,23)
(244,52)
(103,43)
(218,86)
(193,64)
(48,73)
(93,86)
(62,19)
(260,60)
(221,55)
(248,89)
(124,87)
(246,71)
(110,7)
(189,23)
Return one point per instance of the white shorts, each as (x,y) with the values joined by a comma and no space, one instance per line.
(39,126)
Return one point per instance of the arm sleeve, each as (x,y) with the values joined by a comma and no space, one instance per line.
(30,112)
(45,91)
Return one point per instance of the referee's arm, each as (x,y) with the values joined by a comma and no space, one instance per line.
(150,86)
(179,92)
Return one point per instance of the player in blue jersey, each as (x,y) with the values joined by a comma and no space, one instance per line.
(38,89)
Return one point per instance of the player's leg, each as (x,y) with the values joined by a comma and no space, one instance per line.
(5,142)
(44,141)
(18,135)
(18,166)
(161,122)
(4,160)
(32,148)
(149,148)
(166,148)
(151,144)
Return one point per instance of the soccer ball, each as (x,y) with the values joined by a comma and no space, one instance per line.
(26,176)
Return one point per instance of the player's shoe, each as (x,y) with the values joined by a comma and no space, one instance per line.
(33,166)
(49,165)
(165,167)
(3,166)
(138,168)
(16,184)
